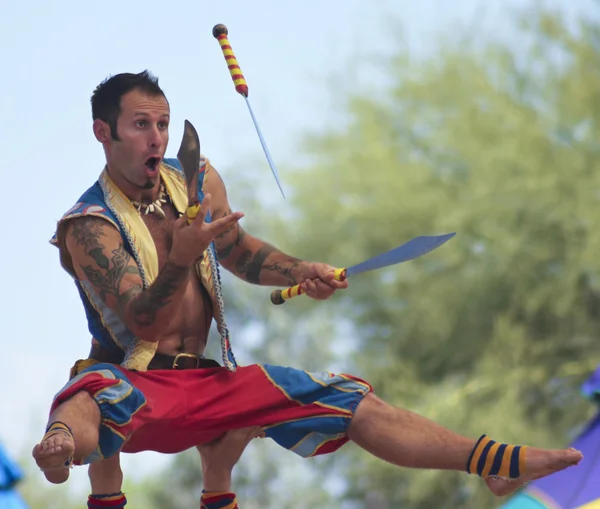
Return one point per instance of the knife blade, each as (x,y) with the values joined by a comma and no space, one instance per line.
(189,157)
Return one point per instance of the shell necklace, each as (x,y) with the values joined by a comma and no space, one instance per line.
(156,206)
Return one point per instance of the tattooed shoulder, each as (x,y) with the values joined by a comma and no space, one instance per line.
(87,232)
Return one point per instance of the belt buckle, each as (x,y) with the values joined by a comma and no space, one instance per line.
(186,355)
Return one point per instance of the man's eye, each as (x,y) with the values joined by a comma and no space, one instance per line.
(163,125)
(141,123)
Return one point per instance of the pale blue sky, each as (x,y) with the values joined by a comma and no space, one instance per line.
(55,53)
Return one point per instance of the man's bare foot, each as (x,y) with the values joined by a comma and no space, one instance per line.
(52,453)
(539,463)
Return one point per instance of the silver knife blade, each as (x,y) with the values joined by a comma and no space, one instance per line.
(189,157)
(412,249)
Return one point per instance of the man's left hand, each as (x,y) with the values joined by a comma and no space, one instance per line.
(319,281)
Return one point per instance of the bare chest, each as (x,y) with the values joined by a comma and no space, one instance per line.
(188,330)
(161,231)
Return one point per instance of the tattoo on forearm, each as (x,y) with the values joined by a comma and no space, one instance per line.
(147,305)
(107,275)
(242,263)
(284,269)
(108,280)
(251,267)
(248,264)
(223,242)
(254,267)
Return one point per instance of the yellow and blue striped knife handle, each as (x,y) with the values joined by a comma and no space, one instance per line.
(278,297)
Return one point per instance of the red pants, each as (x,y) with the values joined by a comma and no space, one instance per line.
(169,411)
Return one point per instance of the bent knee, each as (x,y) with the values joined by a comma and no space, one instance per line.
(83,404)
(83,399)
(372,406)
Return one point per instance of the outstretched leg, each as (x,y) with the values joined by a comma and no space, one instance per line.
(407,439)
(72,434)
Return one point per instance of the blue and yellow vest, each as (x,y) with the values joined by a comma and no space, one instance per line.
(104,199)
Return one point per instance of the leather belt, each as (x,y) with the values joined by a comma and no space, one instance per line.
(159,361)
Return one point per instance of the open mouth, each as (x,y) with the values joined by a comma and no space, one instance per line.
(152,162)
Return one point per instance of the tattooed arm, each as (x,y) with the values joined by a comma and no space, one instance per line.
(98,256)
(260,263)
(246,256)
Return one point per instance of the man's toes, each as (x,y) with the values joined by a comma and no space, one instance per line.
(48,447)
(58,440)
(540,463)
(55,444)
(53,451)
(567,458)
(575,456)
(36,451)
(44,449)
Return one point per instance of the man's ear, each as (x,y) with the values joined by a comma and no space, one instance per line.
(101,131)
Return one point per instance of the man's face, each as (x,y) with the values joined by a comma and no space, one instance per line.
(143,129)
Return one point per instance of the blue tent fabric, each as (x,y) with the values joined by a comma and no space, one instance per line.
(10,475)
(11,500)
(591,388)
(575,487)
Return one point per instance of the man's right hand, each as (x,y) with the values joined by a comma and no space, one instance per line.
(191,240)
